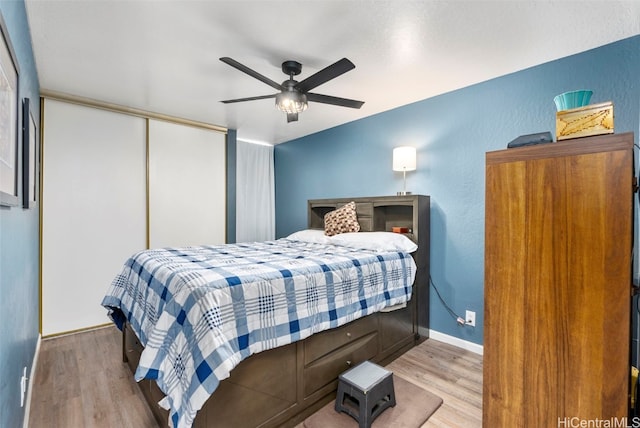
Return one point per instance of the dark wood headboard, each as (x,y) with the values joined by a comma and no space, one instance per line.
(380,214)
(377,213)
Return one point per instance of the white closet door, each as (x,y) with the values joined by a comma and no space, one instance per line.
(94,211)
(187,185)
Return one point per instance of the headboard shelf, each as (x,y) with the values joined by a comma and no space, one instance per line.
(381,214)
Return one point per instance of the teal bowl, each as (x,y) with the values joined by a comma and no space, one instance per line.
(572,99)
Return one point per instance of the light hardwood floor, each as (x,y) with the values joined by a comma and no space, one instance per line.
(81,382)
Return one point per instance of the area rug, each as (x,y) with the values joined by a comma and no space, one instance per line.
(413,407)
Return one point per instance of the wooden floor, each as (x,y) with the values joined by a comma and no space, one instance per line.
(453,374)
(81,382)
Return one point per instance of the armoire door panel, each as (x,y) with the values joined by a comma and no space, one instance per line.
(599,271)
(505,199)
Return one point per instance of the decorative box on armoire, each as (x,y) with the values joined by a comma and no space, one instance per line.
(558,243)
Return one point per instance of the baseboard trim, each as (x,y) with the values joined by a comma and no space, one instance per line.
(79,330)
(455,341)
(32,375)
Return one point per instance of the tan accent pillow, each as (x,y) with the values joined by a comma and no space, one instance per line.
(342,220)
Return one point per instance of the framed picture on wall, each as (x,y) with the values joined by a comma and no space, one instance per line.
(29,156)
(8,120)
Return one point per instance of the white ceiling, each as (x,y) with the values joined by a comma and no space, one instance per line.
(163,56)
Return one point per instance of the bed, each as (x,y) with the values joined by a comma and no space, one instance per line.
(255,334)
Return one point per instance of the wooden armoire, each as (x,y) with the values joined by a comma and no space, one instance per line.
(558,262)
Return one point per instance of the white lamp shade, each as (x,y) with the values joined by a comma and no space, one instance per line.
(404,158)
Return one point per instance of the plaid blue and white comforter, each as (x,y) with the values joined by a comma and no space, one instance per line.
(199,311)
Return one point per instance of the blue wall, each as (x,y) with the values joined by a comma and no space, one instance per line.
(19,247)
(452,132)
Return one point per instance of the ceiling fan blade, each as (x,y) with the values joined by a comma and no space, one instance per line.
(327,99)
(239,100)
(235,64)
(326,74)
(292,117)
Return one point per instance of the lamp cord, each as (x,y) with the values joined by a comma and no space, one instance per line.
(451,311)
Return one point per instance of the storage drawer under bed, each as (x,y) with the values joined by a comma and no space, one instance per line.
(331,352)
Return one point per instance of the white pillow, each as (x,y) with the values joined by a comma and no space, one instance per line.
(375,241)
(310,235)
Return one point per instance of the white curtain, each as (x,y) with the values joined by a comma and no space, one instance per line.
(255,193)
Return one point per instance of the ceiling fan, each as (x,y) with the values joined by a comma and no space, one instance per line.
(293,96)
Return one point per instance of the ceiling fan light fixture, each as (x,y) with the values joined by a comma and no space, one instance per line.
(291,102)
(294,96)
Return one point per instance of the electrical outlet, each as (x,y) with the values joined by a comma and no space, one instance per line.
(470,318)
(23,386)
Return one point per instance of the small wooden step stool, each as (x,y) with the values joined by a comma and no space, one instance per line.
(371,387)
